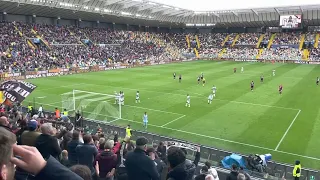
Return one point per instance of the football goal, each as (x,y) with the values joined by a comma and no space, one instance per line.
(93,105)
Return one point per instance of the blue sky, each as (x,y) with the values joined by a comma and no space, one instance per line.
(211,5)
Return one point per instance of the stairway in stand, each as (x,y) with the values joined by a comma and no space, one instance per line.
(42,40)
(29,42)
(302,41)
(224,50)
(188,40)
(259,53)
(225,40)
(260,40)
(316,43)
(305,54)
(271,40)
(235,40)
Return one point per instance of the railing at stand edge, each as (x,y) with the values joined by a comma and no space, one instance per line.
(275,171)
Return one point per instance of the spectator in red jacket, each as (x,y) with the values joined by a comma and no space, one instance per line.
(107,162)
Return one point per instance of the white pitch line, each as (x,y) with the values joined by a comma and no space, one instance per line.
(284,135)
(225,140)
(263,105)
(138,107)
(216,138)
(173,120)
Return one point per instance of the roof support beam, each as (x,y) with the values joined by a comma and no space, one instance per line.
(170,11)
(255,12)
(277,11)
(301,9)
(175,13)
(144,7)
(109,2)
(216,14)
(234,13)
(157,9)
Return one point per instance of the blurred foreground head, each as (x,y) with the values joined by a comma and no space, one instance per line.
(7,139)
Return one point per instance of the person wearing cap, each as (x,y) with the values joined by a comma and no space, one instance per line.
(139,165)
(30,136)
(297,170)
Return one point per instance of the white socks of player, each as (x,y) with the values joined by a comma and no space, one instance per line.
(187,105)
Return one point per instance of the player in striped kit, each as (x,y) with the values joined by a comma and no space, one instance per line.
(214,90)
(116,98)
(121,98)
(188,101)
(138,97)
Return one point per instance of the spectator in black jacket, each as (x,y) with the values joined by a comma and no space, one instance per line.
(162,151)
(71,148)
(234,173)
(46,143)
(139,165)
(87,152)
(181,168)
(151,152)
(30,160)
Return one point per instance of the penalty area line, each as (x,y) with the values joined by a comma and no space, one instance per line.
(285,134)
(173,120)
(225,140)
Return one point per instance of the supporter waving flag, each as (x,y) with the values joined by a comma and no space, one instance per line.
(15,91)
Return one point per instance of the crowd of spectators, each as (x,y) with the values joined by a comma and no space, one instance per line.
(315,54)
(210,52)
(281,54)
(49,149)
(211,40)
(287,38)
(248,39)
(310,37)
(68,46)
(240,53)
(56,34)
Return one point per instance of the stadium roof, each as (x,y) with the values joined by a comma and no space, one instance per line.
(156,14)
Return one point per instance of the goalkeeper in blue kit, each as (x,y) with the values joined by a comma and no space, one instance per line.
(145,120)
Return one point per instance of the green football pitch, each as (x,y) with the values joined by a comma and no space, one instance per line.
(238,120)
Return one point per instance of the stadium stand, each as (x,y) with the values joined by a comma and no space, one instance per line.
(96,150)
(248,39)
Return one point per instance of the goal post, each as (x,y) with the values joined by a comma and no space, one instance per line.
(93,105)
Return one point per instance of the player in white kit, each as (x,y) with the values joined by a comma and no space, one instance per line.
(242,69)
(121,98)
(116,98)
(214,90)
(210,98)
(273,72)
(138,97)
(188,101)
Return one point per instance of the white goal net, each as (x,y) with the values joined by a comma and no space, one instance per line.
(95,106)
